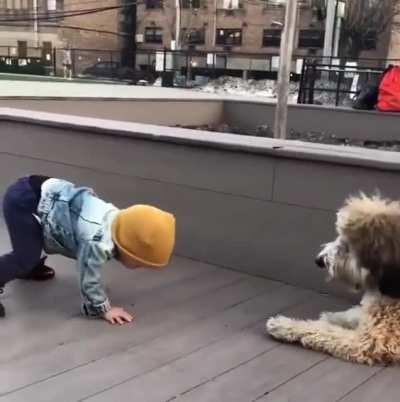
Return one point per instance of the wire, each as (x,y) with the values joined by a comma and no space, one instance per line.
(74,27)
(80,3)
(54,15)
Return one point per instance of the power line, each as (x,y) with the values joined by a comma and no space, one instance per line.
(80,3)
(54,15)
(79,28)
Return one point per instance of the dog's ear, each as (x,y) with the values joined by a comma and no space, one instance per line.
(371,226)
(389,282)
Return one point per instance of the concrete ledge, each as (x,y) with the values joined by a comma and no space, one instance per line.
(273,147)
(194,108)
(163,112)
(256,205)
(341,122)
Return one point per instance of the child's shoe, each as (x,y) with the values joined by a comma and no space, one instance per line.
(2,310)
(41,272)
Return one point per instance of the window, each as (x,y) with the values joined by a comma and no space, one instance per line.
(193,36)
(22,49)
(279,3)
(51,5)
(229,37)
(311,38)
(153,35)
(272,38)
(154,4)
(47,52)
(370,40)
(16,4)
(230,4)
(191,4)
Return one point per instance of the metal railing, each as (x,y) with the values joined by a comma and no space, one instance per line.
(338,79)
(341,82)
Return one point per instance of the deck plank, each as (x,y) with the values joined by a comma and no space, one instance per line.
(202,365)
(383,387)
(325,382)
(158,314)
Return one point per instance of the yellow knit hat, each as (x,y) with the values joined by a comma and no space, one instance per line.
(144,235)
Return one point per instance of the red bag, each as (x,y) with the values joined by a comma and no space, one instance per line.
(389,91)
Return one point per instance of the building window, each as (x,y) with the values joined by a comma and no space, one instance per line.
(193,36)
(370,40)
(22,49)
(272,37)
(311,38)
(280,3)
(154,4)
(191,4)
(47,52)
(229,37)
(153,35)
(51,5)
(16,4)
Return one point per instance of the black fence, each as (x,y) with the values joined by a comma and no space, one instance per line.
(211,64)
(338,81)
(186,64)
(320,80)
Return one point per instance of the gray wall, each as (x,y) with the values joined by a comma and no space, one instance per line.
(169,113)
(238,113)
(251,204)
(341,122)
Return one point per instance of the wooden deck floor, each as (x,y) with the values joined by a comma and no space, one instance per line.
(199,336)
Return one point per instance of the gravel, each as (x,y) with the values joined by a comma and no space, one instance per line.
(311,136)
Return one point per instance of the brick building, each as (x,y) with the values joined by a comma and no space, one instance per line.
(23,37)
(248,26)
(236,26)
(42,34)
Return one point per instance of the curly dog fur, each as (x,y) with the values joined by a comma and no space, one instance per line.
(365,256)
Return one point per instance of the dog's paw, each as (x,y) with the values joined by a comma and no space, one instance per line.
(327,317)
(346,319)
(281,328)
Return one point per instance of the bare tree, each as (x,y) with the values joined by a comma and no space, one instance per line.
(364,23)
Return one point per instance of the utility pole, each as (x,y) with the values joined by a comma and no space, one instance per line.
(329,29)
(285,61)
(214,26)
(128,51)
(35,23)
(340,12)
(178,25)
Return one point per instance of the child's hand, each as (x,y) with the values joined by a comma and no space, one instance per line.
(118,315)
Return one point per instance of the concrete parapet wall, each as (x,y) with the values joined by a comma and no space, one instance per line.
(256,205)
(164,112)
(243,114)
(341,122)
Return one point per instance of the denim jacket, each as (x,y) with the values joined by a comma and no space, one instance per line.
(77,224)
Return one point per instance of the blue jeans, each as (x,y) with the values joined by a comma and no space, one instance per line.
(20,202)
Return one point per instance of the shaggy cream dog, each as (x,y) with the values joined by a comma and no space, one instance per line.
(366,257)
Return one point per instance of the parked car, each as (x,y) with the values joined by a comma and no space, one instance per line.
(113,69)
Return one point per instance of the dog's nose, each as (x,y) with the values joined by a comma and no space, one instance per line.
(320,261)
